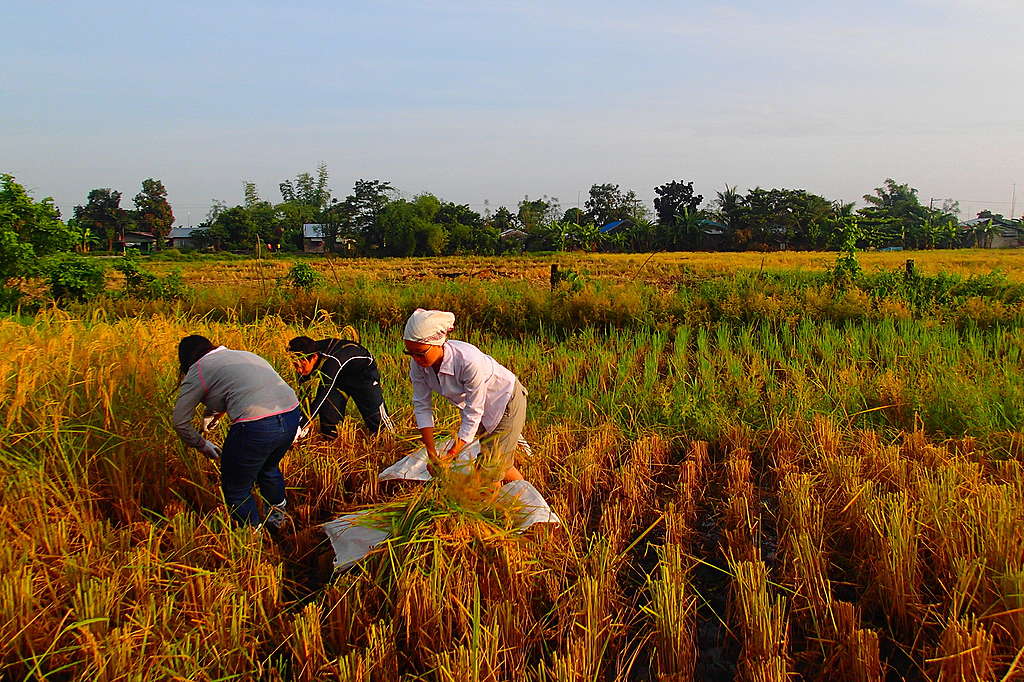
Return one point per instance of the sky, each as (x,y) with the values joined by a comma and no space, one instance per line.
(485,103)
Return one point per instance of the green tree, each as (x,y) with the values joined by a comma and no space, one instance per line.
(791,218)
(103,215)
(536,213)
(575,215)
(292,215)
(28,229)
(234,229)
(504,219)
(250,194)
(897,204)
(152,212)
(607,203)
(680,220)
(309,190)
(74,277)
(674,200)
(466,230)
(585,237)
(358,216)
(728,208)
(408,227)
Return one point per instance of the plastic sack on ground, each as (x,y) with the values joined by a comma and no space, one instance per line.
(351,541)
(528,504)
(414,467)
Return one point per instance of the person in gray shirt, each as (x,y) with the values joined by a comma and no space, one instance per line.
(264,415)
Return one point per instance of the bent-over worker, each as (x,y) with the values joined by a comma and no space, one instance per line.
(347,370)
(490,398)
(264,414)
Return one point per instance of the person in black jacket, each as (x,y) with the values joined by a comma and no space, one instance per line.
(346,370)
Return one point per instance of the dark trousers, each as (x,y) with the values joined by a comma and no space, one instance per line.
(367,396)
(251,454)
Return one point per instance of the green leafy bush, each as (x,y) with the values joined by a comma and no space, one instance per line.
(73,277)
(140,283)
(303,276)
(846,270)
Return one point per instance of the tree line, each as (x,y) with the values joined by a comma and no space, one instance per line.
(373,220)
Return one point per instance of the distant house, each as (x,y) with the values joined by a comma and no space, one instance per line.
(1003,233)
(143,241)
(181,238)
(612,226)
(313,240)
(512,233)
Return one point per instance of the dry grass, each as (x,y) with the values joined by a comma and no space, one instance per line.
(649,268)
(828,546)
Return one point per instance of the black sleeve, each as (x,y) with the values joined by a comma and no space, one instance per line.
(329,370)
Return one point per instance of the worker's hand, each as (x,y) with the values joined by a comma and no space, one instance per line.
(210,420)
(210,450)
(300,433)
(457,446)
(436,465)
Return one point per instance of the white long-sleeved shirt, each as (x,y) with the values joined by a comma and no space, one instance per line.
(472,380)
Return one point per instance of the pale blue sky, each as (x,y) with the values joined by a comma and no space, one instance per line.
(492,101)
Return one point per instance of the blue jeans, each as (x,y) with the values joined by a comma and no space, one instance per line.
(250,455)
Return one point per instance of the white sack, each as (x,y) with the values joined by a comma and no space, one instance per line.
(414,467)
(350,541)
(529,504)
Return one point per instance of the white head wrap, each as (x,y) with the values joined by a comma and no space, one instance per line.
(429,326)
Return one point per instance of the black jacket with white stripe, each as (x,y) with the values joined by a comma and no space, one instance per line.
(342,365)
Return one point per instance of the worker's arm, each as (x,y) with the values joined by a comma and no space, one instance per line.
(190,394)
(474,376)
(427,434)
(330,370)
(422,409)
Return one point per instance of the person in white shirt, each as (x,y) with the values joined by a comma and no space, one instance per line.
(490,398)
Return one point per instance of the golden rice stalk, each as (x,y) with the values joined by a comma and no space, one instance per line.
(761,622)
(825,436)
(681,515)
(857,656)
(964,652)
(306,643)
(742,513)
(377,660)
(679,524)
(673,611)
(803,548)
(1012,592)
(894,558)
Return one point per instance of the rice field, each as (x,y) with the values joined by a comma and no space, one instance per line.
(654,269)
(743,497)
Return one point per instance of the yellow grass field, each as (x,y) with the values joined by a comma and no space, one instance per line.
(763,494)
(659,268)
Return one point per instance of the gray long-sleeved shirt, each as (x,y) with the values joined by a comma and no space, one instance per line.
(234,381)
